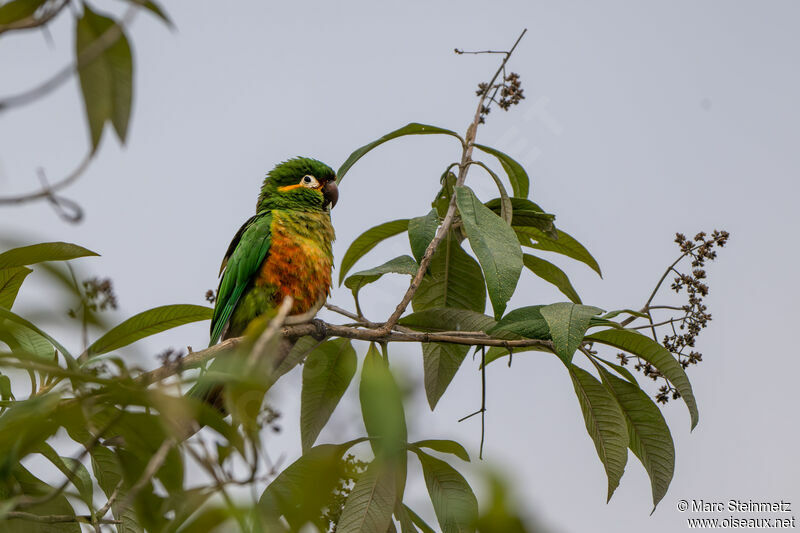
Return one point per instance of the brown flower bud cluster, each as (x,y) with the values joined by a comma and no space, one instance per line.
(685,329)
(504,94)
(98,295)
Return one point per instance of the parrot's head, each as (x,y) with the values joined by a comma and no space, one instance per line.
(302,184)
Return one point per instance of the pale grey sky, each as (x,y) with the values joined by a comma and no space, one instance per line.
(641,119)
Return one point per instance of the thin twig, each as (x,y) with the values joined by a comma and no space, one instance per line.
(461,52)
(647,307)
(104,509)
(483,399)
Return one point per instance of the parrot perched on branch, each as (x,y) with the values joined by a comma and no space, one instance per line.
(282,250)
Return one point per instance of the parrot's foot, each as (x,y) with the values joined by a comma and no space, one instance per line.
(322,330)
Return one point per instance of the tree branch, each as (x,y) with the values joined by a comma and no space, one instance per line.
(463,168)
(57,518)
(375,334)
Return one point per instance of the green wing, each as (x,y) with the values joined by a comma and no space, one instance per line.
(245,255)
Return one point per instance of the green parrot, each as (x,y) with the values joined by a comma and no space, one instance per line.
(284,249)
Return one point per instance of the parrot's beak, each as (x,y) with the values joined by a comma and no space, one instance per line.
(331,193)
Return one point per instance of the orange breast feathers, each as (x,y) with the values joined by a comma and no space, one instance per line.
(298,266)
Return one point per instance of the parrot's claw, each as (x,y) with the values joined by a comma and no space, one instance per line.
(322,330)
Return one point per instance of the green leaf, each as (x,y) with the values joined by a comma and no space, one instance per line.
(16,319)
(568,323)
(615,313)
(208,519)
(5,388)
(144,433)
(367,241)
(649,436)
(156,10)
(454,279)
(301,491)
(17,10)
(621,370)
(418,521)
(441,362)
(453,500)
(368,508)
(655,354)
(519,204)
(327,373)
(496,352)
(149,323)
(441,203)
(564,245)
(107,81)
(10,281)
(527,213)
(22,339)
(25,426)
(496,246)
(409,129)
(108,472)
(421,231)
(302,347)
(500,512)
(73,470)
(526,321)
(551,274)
(604,422)
(400,513)
(399,265)
(59,505)
(520,183)
(447,319)
(444,446)
(383,414)
(382,406)
(38,253)
(506,207)
(542,221)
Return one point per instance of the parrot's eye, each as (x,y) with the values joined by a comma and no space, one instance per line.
(309,181)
